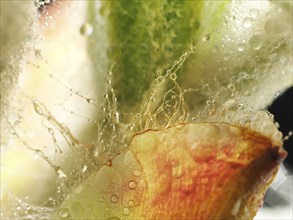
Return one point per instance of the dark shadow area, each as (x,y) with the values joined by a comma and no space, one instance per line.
(282,109)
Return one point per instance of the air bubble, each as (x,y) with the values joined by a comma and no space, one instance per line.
(256,42)
(126,211)
(247,22)
(132,184)
(114,198)
(86,29)
(63,212)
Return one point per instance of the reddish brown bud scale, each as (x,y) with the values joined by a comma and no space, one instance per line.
(206,170)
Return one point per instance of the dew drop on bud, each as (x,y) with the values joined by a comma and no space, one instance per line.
(38,108)
(137,173)
(84,168)
(63,212)
(256,42)
(207,37)
(241,47)
(101,199)
(215,49)
(132,184)
(131,203)
(60,173)
(126,211)
(114,198)
(173,76)
(247,22)
(175,163)
(86,29)
(254,13)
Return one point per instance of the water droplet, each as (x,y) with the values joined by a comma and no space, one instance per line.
(247,22)
(38,54)
(51,131)
(152,99)
(207,37)
(231,105)
(101,199)
(63,212)
(254,13)
(231,87)
(79,189)
(283,60)
(175,163)
(160,79)
(173,76)
(274,57)
(215,49)
(117,116)
(241,47)
(60,173)
(126,211)
(86,29)
(38,108)
(131,203)
(256,42)
(132,184)
(6,81)
(84,168)
(137,173)
(114,198)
